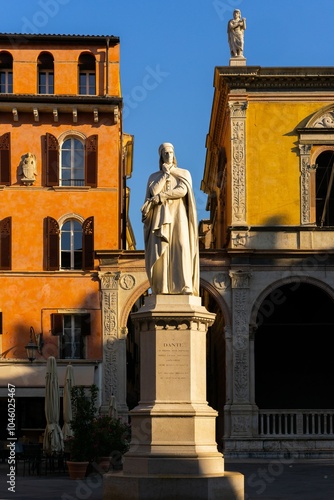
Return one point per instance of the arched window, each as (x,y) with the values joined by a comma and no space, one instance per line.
(325,189)
(87,74)
(71,245)
(72,171)
(45,73)
(6,73)
(72,161)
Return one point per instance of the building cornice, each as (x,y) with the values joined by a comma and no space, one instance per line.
(15,39)
(256,78)
(57,104)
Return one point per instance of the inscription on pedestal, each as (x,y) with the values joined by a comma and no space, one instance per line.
(173,364)
(173,361)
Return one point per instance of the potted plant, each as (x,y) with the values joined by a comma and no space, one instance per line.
(111,439)
(81,444)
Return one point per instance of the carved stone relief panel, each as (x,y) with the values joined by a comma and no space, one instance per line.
(238,161)
(240,305)
(241,425)
(127,281)
(28,169)
(305,188)
(241,376)
(221,281)
(110,382)
(109,290)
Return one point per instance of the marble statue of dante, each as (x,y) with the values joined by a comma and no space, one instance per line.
(235,31)
(170,228)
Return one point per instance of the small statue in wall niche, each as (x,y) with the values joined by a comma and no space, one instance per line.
(28,169)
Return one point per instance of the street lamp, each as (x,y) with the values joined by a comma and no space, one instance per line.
(31,347)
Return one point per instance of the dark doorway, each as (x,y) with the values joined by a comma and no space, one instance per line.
(294,366)
(215,364)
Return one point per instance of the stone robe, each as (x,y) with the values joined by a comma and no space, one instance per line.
(171,234)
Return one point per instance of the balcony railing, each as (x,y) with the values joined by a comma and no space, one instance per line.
(296,423)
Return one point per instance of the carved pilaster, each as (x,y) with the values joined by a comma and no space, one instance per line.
(243,411)
(109,291)
(238,161)
(305,189)
(240,296)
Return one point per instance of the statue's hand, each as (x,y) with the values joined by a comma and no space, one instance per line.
(155,199)
(166,168)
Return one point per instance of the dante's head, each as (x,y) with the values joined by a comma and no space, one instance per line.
(166,154)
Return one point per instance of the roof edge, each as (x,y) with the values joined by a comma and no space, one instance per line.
(21,38)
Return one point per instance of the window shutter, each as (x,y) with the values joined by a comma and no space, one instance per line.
(52,244)
(56,324)
(85,324)
(52,160)
(91,161)
(88,243)
(5,159)
(6,244)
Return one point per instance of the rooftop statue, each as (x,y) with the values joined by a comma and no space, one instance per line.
(235,31)
(170,228)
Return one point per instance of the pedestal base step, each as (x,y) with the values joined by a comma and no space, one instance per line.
(120,486)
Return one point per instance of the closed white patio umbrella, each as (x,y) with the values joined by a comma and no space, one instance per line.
(67,403)
(53,437)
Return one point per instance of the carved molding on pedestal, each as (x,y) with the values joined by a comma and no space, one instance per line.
(199,323)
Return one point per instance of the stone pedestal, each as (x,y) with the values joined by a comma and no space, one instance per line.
(173,453)
(238,61)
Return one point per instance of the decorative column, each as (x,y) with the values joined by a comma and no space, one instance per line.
(242,422)
(114,346)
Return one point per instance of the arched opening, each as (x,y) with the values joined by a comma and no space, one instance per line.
(71,245)
(45,73)
(87,74)
(325,189)
(132,358)
(6,73)
(293,359)
(215,362)
(72,162)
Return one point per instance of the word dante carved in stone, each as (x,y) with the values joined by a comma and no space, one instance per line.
(172,344)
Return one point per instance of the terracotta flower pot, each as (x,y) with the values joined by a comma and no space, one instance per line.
(77,470)
(104,463)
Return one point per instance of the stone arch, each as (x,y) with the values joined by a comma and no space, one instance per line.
(284,281)
(219,299)
(289,344)
(131,300)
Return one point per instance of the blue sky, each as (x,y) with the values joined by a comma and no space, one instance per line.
(169,50)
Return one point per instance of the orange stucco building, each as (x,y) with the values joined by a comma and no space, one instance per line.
(63,163)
